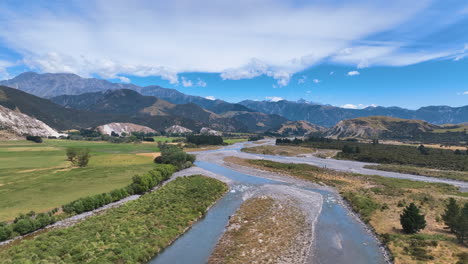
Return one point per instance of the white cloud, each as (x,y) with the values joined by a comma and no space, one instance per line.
(124,79)
(463,53)
(316,81)
(274,98)
(164,38)
(186,82)
(465,93)
(302,79)
(201,83)
(332,73)
(353,73)
(359,106)
(210,98)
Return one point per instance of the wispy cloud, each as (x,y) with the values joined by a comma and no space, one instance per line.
(165,38)
(201,83)
(274,98)
(358,106)
(210,98)
(353,73)
(316,80)
(302,79)
(124,79)
(186,82)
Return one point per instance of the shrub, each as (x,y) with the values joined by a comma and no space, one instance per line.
(36,139)
(78,156)
(5,232)
(205,139)
(24,226)
(411,220)
(174,155)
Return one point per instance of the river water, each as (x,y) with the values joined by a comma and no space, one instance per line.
(339,236)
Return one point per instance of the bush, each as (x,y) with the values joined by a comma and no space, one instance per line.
(5,232)
(78,156)
(205,139)
(36,139)
(174,155)
(24,226)
(411,220)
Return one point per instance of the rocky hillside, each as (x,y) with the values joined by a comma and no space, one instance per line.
(379,127)
(178,130)
(327,115)
(119,128)
(298,128)
(20,124)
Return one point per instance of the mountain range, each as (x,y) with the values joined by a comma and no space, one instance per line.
(92,102)
(327,115)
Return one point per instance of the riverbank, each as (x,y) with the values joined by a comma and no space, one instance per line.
(134,232)
(379,201)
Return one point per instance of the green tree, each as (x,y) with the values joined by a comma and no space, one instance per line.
(24,226)
(451,214)
(423,150)
(461,226)
(71,153)
(412,220)
(5,231)
(81,157)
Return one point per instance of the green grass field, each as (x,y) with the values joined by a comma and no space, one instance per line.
(38,177)
(234,140)
(166,139)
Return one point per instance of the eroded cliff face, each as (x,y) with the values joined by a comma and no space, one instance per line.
(127,128)
(20,124)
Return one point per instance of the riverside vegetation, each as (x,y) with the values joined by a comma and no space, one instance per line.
(132,233)
(173,156)
(380,202)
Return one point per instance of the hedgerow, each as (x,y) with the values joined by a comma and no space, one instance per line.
(132,233)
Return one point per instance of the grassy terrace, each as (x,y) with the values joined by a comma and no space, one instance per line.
(38,177)
(279,150)
(380,201)
(454,175)
(132,233)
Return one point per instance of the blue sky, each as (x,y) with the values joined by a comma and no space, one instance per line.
(340,52)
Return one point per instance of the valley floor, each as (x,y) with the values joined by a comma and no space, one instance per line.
(37,177)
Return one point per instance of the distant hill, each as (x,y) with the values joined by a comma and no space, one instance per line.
(380,127)
(327,115)
(130,102)
(63,118)
(49,85)
(298,128)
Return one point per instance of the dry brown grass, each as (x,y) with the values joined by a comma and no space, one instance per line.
(394,142)
(263,230)
(391,195)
